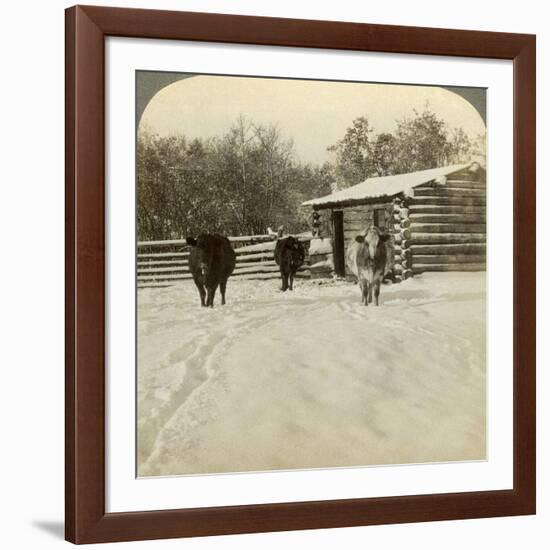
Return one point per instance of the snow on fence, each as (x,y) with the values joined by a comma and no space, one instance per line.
(161,263)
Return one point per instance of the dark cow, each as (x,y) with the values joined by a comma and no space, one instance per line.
(367,259)
(211,262)
(289,256)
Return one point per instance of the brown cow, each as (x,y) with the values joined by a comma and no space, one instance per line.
(289,256)
(367,259)
(211,262)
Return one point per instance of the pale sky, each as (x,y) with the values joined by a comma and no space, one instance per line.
(315,114)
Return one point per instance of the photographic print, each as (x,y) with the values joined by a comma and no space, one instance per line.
(311,261)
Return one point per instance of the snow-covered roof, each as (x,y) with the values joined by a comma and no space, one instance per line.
(385,186)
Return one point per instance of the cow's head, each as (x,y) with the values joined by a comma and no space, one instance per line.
(372,239)
(294,244)
(204,246)
(296,250)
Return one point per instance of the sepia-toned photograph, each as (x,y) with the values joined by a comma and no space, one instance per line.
(311,274)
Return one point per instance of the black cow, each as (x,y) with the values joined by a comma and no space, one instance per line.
(211,262)
(367,259)
(289,256)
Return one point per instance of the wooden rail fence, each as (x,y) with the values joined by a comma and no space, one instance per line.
(162,263)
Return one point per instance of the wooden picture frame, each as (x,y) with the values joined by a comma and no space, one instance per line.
(86,30)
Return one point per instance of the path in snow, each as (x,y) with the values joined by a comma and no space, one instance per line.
(311,378)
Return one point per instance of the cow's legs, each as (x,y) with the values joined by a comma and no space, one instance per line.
(210,297)
(284,280)
(223,284)
(370,292)
(202,293)
(364,292)
(291,280)
(376,291)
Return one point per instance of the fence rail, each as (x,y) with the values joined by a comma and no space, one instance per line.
(181,242)
(163,263)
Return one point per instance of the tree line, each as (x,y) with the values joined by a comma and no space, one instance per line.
(249,178)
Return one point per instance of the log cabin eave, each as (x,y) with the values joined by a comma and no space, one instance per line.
(382,199)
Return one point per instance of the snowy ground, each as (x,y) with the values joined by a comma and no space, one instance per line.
(311,378)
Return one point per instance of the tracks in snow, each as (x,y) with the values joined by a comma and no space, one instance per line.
(205,336)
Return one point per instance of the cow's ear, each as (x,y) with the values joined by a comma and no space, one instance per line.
(191,241)
(384,237)
(360,238)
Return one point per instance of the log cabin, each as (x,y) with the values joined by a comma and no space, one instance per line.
(437,219)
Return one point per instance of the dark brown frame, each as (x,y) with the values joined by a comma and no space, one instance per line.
(86,29)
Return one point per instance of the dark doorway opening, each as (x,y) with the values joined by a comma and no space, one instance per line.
(338,245)
(379,218)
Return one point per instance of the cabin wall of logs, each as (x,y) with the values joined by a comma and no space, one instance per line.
(444,223)
(437,226)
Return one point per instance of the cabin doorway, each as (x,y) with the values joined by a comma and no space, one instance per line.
(338,244)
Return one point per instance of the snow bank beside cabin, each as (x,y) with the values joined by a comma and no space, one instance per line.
(320,246)
(311,378)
